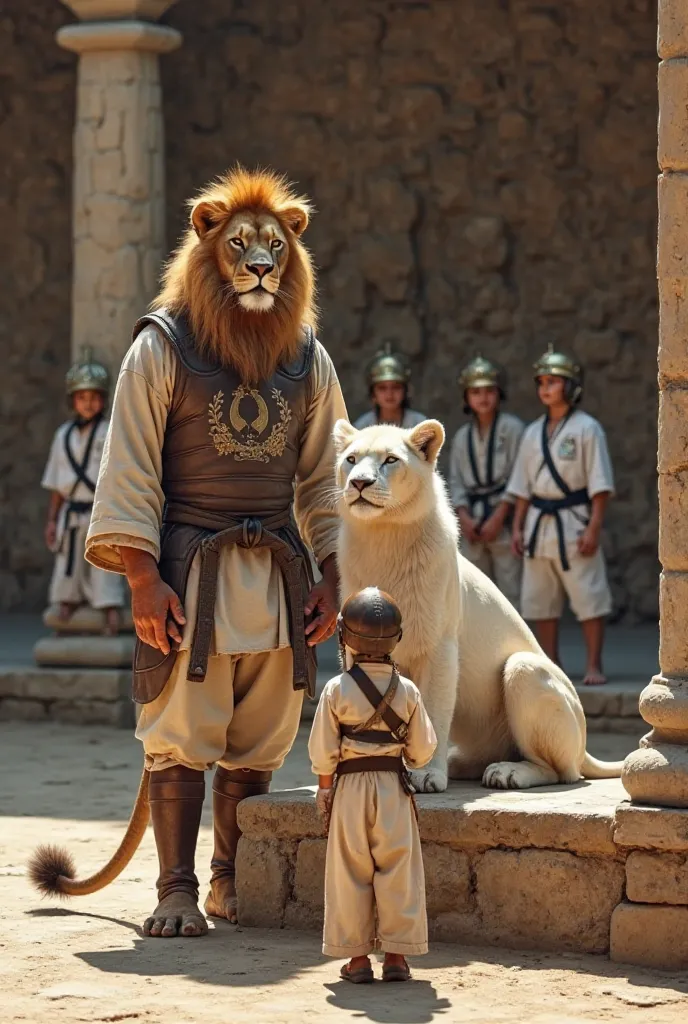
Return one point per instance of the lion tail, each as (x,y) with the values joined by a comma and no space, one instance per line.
(594,769)
(52,869)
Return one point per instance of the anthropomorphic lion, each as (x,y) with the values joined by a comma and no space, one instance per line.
(216,475)
(511,716)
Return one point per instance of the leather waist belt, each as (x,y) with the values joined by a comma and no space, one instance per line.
(552,507)
(367,735)
(251,532)
(354,765)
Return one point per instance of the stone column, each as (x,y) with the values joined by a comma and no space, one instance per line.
(657,773)
(119,180)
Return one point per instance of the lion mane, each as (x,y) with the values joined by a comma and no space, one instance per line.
(193,283)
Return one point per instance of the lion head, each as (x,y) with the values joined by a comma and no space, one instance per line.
(386,473)
(242,275)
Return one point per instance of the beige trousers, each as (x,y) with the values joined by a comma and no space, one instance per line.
(245,714)
(497,562)
(374,864)
(89,585)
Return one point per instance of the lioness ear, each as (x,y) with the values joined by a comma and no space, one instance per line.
(427,439)
(205,216)
(296,217)
(343,434)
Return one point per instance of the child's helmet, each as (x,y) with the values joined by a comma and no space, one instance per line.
(481,373)
(559,364)
(86,374)
(370,623)
(388,365)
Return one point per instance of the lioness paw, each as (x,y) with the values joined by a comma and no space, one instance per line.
(518,775)
(429,780)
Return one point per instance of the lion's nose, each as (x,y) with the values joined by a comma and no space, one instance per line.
(260,266)
(361,482)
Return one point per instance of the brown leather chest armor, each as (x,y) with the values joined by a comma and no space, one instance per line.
(229,462)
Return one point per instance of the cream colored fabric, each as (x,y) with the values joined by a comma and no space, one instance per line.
(497,562)
(546,585)
(87,584)
(251,614)
(580,455)
(374,866)
(245,714)
(507,440)
(411,419)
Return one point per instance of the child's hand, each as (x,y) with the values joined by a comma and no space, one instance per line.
(50,534)
(517,543)
(468,526)
(589,540)
(491,529)
(323,802)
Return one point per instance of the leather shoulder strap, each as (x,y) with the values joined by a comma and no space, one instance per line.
(303,364)
(178,332)
(391,719)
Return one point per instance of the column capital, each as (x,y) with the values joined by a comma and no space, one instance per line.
(113,10)
(119,35)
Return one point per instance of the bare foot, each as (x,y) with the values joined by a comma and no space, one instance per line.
(66,611)
(177,914)
(221,901)
(112,622)
(594,677)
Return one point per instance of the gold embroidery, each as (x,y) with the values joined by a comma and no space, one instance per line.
(251,448)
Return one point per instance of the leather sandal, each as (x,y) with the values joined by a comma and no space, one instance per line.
(396,972)
(361,976)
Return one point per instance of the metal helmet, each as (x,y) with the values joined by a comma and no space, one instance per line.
(388,365)
(370,623)
(560,364)
(87,375)
(481,373)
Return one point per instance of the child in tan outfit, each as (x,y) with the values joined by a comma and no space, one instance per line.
(370,724)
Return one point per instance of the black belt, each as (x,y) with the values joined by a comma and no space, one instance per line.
(480,496)
(552,507)
(73,508)
(367,735)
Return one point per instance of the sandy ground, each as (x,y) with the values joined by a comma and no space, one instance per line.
(88,961)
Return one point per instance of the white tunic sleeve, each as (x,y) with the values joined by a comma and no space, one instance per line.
(325,740)
(50,478)
(520,484)
(598,465)
(457,486)
(421,740)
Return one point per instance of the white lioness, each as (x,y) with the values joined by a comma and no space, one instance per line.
(511,716)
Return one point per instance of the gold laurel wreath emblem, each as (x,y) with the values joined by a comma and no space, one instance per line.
(252,448)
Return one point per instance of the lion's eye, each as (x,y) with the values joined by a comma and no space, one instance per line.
(351,459)
(276,243)
(238,243)
(390,459)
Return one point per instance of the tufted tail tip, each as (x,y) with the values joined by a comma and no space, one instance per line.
(50,870)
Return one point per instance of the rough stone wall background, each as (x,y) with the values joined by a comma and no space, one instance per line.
(484,175)
(37,83)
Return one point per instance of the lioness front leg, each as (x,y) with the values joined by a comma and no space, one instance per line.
(437,681)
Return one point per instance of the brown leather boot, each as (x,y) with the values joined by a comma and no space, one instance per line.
(176,801)
(229,789)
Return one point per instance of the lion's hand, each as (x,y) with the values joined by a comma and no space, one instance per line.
(429,780)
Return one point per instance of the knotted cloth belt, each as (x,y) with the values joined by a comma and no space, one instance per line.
(479,498)
(552,507)
(74,508)
(250,532)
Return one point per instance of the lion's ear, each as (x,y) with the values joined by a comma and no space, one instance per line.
(296,217)
(427,439)
(343,434)
(205,216)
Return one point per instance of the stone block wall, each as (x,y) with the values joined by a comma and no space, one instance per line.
(484,175)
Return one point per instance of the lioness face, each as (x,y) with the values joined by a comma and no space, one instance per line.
(385,472)
(253,251)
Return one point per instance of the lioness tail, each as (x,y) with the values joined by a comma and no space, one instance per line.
(52,870)
(594,769)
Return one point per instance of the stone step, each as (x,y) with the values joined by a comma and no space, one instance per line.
(84,696)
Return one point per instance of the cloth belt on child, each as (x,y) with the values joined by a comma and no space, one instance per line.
(554,506)
(398,730)
(480,492)
(77,508)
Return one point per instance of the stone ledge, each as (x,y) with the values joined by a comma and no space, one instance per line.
(64,683)
(578,819)
(651,828)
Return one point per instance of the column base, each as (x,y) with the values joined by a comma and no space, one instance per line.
(657,773)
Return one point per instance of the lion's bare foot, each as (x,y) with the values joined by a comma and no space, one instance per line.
(429,780)
(221,901)
(177,914)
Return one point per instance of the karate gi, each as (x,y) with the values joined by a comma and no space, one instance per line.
(74,581)
(553,568)
(479,470)
(374,865)
(369,419)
